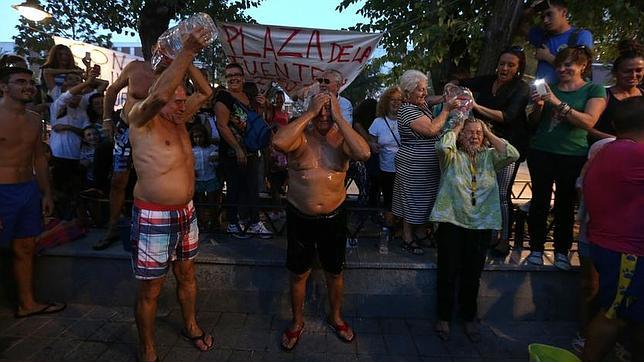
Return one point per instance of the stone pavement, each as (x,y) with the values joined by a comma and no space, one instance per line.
(100,333)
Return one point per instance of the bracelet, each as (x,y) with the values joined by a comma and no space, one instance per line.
(107,120)
(564,108)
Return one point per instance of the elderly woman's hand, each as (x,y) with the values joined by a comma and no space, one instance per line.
(451,104)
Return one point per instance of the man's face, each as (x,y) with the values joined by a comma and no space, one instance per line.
(20,87)
(173,110)
(329,83)
(72,80)
(323,121)
(554,18)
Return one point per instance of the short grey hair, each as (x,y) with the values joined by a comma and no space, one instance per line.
(336,74)
(410,79)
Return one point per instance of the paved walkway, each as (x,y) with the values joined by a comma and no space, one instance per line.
(98,333)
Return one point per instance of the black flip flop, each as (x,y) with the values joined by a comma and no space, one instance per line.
(201,338)
(50,308)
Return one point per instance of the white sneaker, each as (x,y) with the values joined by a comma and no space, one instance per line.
(235,231)
(562,262)
(578,344)
(535,258)
(260,230)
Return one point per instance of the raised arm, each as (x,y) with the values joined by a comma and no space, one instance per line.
(50,73)
(163,89)
(431,127)
(355,146)
(290,137)
(200,96)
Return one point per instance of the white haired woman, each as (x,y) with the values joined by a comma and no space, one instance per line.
(417,170)
(468,209)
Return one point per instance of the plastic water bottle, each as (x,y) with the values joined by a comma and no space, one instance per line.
(383,242)
(170,42)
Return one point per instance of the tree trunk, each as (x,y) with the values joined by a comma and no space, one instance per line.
(504,19)
(154,20)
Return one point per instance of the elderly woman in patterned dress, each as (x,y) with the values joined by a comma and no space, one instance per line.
(467,209)
(417,170)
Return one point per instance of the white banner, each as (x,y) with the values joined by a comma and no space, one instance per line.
(295,57)
(111,61)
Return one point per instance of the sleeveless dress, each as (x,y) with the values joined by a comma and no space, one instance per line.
(417,169)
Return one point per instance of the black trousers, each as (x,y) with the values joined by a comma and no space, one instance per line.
(546,168)
(242,187)
(67,182)
(461,256)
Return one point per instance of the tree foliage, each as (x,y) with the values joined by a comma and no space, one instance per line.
(451,36)
(82,19)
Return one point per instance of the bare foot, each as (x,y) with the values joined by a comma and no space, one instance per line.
(202,341)
(342,330)
(442,329)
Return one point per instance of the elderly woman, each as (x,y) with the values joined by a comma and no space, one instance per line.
(501,99)
(385,141)
(417,170)
(468,209)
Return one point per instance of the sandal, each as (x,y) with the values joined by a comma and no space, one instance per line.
(106,242)
(291,335)
(473,331)
(412,248)
(442,330)
(201,338)
(340,329)
(50,308)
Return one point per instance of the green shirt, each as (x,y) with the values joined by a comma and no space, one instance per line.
(559,136)
(454,200)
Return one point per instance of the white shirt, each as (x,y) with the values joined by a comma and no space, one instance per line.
(67,144)
(346,108)
(388,144)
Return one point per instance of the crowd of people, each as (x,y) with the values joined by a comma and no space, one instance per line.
(178,140)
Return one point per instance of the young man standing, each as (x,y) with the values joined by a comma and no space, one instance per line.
(23,196)
(555,35)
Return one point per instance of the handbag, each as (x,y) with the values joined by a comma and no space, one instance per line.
(258,132)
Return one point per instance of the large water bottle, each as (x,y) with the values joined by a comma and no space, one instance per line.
(170,42)
(465,100)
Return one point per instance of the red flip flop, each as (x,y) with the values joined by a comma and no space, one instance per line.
(290,335)
(339,329)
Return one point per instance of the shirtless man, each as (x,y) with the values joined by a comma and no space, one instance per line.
(164,225)
(137,76)
(319,145)
(22,198)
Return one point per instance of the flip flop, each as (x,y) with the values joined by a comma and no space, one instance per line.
(50,308)
(338,329)
(442,333)
(196,339)
(290,335)
(106,242)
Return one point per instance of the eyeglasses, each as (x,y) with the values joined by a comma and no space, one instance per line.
(324,80)
(580,46)
(24,82)
(230,75)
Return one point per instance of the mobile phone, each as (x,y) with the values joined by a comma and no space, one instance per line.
(540,86)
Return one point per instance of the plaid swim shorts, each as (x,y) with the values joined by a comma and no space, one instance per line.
(161,234)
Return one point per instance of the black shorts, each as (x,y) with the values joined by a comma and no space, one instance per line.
(325,233)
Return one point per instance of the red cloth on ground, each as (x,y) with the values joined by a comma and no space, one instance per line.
(614,197)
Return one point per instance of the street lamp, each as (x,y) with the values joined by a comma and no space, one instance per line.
(32,10)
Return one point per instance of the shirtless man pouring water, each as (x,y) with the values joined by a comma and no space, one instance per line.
(319,145)
(164,224)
